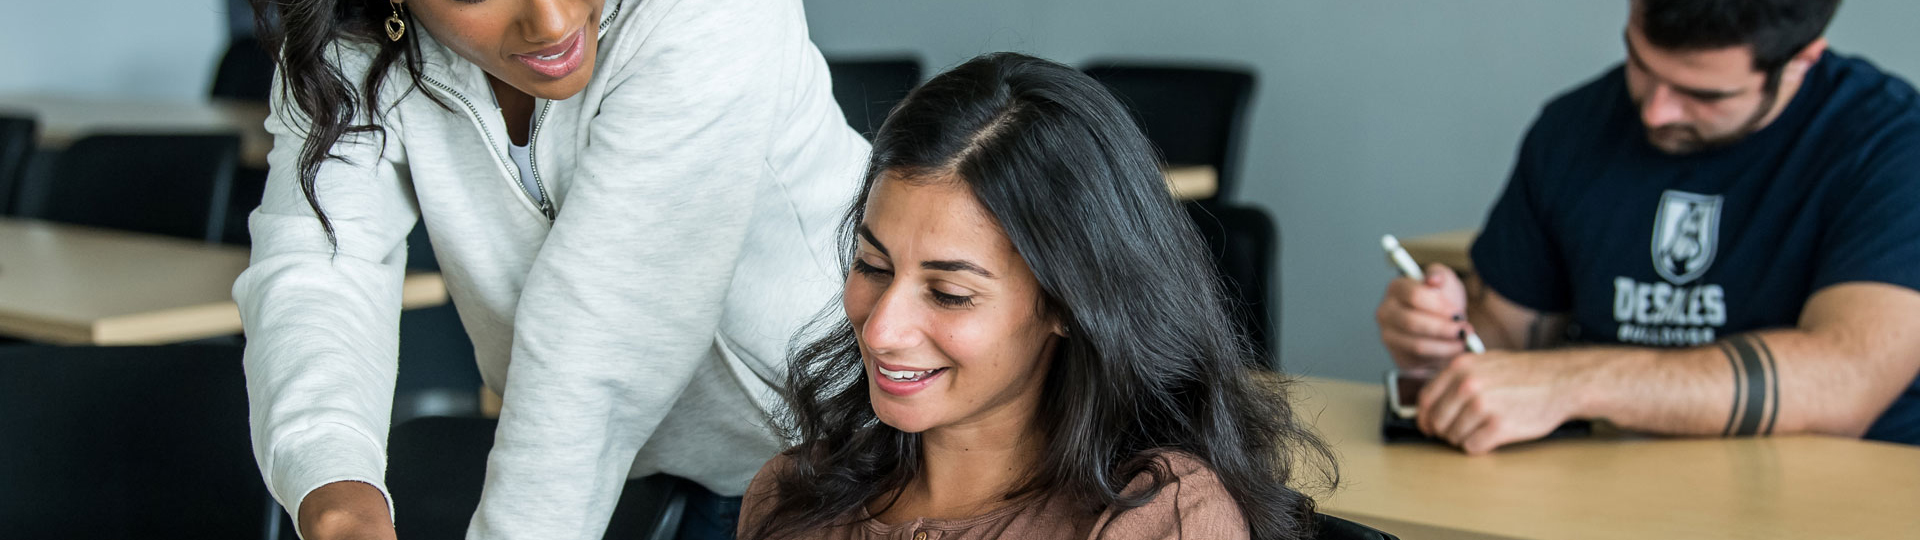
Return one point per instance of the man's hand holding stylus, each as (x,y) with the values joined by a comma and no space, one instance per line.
(1424,323)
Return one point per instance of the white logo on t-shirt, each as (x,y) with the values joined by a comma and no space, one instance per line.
(1686,232)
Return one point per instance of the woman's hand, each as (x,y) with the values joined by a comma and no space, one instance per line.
(345,511)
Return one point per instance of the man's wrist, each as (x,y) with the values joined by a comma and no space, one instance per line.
(1583,376)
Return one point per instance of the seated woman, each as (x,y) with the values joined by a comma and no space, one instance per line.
(1034,345)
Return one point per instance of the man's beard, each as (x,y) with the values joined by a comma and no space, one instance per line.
(1681,138)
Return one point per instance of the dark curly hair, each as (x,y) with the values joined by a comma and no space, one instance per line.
(1151,363)
(301,35)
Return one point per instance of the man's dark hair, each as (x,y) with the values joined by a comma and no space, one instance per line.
(1776,29)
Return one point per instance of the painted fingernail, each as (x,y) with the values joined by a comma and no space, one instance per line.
(1463,335)
(1458,317)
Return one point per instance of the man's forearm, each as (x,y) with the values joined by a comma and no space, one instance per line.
(1504,325)
(1779,381)
(1681,391)
(1487,319)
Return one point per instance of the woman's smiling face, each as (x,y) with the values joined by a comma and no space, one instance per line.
(951,322)
(545,48)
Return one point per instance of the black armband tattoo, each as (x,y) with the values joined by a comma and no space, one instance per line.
(1756,387)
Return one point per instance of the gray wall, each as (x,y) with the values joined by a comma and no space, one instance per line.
(125,48)
(1373,116)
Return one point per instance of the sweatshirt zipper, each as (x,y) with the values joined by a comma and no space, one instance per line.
(608,19)
(533,160)
(544,206)
(533,152)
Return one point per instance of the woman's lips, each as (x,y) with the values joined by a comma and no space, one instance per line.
(904,387)
(559,60)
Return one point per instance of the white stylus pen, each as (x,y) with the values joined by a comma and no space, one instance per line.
(1408,268)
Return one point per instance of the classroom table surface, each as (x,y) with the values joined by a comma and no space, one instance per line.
(64,119)
(77,285)
(1612,485)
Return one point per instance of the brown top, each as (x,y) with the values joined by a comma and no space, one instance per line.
(1193,505)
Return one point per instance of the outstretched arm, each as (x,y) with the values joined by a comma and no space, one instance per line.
(1856,346)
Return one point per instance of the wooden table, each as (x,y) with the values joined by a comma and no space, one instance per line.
(1612,487)
(64,119)
(77,285)
(1448,248)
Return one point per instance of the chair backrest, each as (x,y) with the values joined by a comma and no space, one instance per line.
(1333,528)
(1245,245)
(16,148)
(1194,115)
(176,185)
(249,186)
(437,465)
(126,442)
(239,19)
(868,89)
(245,71)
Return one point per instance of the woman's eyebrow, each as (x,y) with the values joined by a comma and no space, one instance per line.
(947,266)
(868,234)
(956,266)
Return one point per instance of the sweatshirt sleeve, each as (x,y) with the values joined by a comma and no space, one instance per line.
(322,325)
(625,297)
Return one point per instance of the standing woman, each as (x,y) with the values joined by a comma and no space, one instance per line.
(633,205)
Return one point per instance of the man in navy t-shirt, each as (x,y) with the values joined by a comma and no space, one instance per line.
(1719,237)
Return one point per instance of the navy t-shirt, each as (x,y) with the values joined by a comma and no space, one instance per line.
(1644,248)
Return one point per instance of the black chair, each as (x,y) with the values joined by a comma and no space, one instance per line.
(1194,115)
(868,89)
(438,374)
(1245,245)
(126,442)
(436,466)
(245,72)
(1197,115)
(249,185)
(1333,528)
(175,185)
(240,19)
(16,150)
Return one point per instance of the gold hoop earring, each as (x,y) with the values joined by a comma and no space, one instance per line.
(396,26)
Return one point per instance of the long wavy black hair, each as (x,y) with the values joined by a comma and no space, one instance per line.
(1151,361)
(301,34)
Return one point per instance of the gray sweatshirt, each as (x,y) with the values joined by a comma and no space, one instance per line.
(635,325)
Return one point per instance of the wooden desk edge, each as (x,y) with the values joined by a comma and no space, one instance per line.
(169,326)
(1451,248)
(423,289)
(41,330)
(1192,182)
(420,289)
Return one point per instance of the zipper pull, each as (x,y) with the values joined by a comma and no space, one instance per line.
(546,207)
